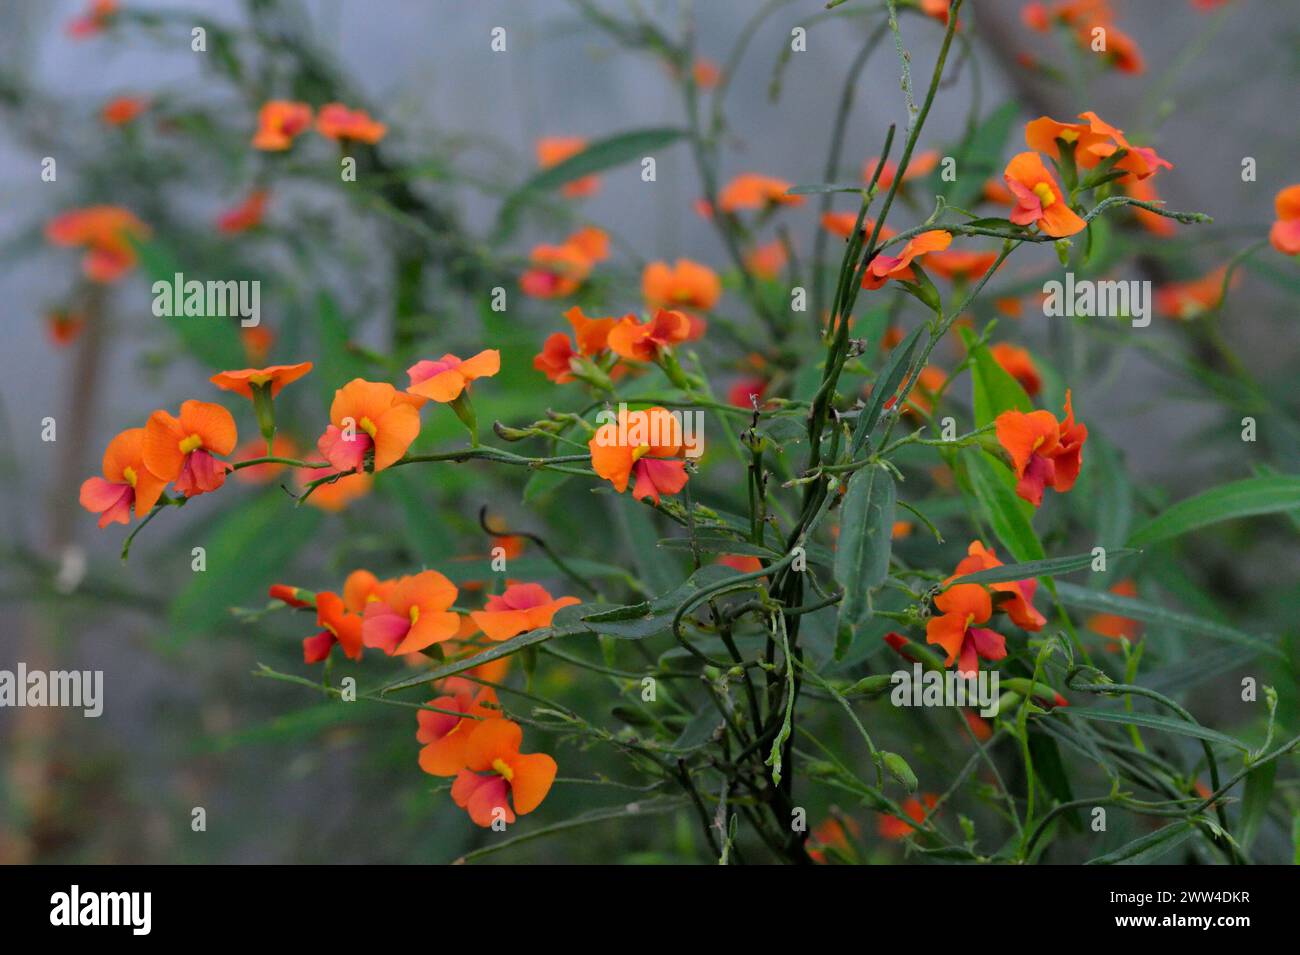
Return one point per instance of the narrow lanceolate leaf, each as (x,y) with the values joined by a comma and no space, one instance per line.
(599,155)
(1037,568)
(862,560)
(1246,498)
(1255,800)
(1100,601)
(1148,848)
(821,188)
(651,617)
(1164,723)
(887,384)
(994,389)
(1005,511)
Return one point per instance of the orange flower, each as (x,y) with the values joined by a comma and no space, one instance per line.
(557,271)
(98,17)
(338,626)
(279,122)
(282,446)
(444,735)
(922,164)
(895,827)
(64,327)
(1114,627)
(1184,300)
(493,749)
(1121,50)
(643,341)
(745,392)
(1039,199)
(1017,363)
(122,109)
(937,10)
(961,263)
(243,382)
(1019,606)
(930,381)
(105,232)
(368,416)
(841,224)
(1285,234)
(247,215)
(412,615)
(900,530)
(554,360)
(336,121)
(127,483)
(832,834)
(445,379)
(744,563)
(553,150)
(684,285)
(750,190)
(183,450)
(767,260)
(257,342)
(705,73)
(885,267)
(1094,141)
(292,596)
(997,192)
(521,608)
(1044,451)
(641,445)
(962,606)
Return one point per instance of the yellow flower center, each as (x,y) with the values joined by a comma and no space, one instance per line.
(502,767)
(368,426)
(129,475)
(639,453)
(1038,443)
(192,443)
(415,615)
(1069,135)
(258,379)
(1045,195)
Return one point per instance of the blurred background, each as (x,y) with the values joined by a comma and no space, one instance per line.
(285,776)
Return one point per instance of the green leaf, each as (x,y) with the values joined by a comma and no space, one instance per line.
(995,390)
(599,155)
(1004,509)
(862,559)
(886,386)
(1149,847)
(1254,802)
(699,731)
(245,550)
(1165,724)
(1099,601)
(652,617)
(1036,568)
(1245,498)
(213,340)
(821,188)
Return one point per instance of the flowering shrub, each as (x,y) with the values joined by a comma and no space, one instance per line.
(702,533)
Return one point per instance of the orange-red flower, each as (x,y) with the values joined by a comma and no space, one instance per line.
(885,267)
(746,391)
(895,827)
(127,482)
(767,260)
(961,607)
(706,73)
(64,327)
(1019,604)
(495,769)
(122,109)
(922,164)
(105,233)
(98,16)
(279,122)
(1185,300)
(682,285)
(257,342)
(247,215)
(521,608)
(553,150)
(184,450)
(338,626)
(750,190)
(937,10)
(445,379)
(641,446)
(1043,450)
(960,263)
(1094,141)
(412,615)
(557,354)
(1114,627)
(643,341)
(559,270)
(930,381)
(368,416)
(336,121)
(1285,233)
(841,224)
(1039,200)
(1017,363)
(833,835)
(744,563)
(444,735)
(556,357)
(243,381)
